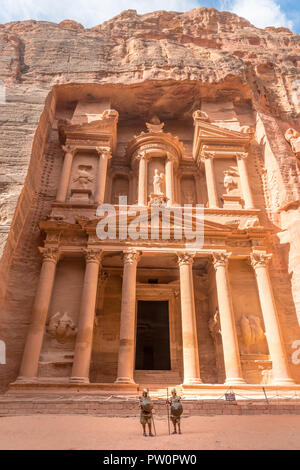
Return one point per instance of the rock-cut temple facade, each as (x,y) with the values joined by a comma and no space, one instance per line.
(138,111)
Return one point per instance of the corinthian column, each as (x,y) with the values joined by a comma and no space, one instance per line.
(280,371)
(213,200)
(84,339)
(33,345)
(231,353)
(191,369)
(169,169)
(247,193)
(142,188)
(66,173)
(127,325)
(104,156)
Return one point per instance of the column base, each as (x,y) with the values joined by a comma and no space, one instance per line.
(280,382)
(193,381)
(124,380)
(79,380)
(27,380)
(235,381)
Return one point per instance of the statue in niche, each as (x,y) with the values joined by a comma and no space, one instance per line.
(250,331)
(293,137)
(158,181)
(61,327)
(83,178)
(214,325)
(230,183)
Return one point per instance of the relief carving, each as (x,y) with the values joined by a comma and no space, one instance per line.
(230,181)
(250,332)
(214,325)
(83,178)
(293,138)
(61,327)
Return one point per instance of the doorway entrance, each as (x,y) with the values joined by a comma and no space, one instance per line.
(153,337)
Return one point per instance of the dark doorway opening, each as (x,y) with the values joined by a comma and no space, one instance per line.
(153,337)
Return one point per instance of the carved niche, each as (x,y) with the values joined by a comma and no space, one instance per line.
(120,188)
(188,190)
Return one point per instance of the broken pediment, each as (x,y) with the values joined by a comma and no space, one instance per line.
(210,137)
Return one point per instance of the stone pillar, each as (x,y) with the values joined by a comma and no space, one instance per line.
(34,341)
(143,179)
(247,193)
(191,369)
(213,200)
(84,339)
(66,173)
(169,170)
(231,353)
(280,371)
(104,156)
(127,325)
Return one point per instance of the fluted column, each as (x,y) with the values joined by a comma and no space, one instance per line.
(191,369)
(169,170)
(143,170)
(84,339)
(127,324)
(104,155)
(213,200)
(246,189)
(66,173)
(35,335)
(280,370)
(231,353)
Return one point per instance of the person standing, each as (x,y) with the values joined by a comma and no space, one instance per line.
(176,410)
(146,406)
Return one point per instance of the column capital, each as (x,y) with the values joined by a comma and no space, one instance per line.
(171,158)
(142,155)
(92,255)
(220,258)
(207,155)
(185,259)
(104,151)
(241,155)
(71,149)
(131,256)
(260,260)
(50,253)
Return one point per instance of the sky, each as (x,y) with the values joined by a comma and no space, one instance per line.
(90,13)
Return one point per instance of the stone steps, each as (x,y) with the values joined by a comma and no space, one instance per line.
(99,406)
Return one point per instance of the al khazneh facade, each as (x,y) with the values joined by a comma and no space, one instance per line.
(116,314)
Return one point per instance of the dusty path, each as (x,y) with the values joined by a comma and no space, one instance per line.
(89,432)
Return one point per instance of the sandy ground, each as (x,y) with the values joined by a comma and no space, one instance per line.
(89,432)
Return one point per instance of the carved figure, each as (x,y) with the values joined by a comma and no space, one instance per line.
(214,325)
(229,182)
(293,137)
(251,331)
(61,327)
(83,178)
(158,180)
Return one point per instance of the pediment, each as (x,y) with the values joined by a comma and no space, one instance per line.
(211,136)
